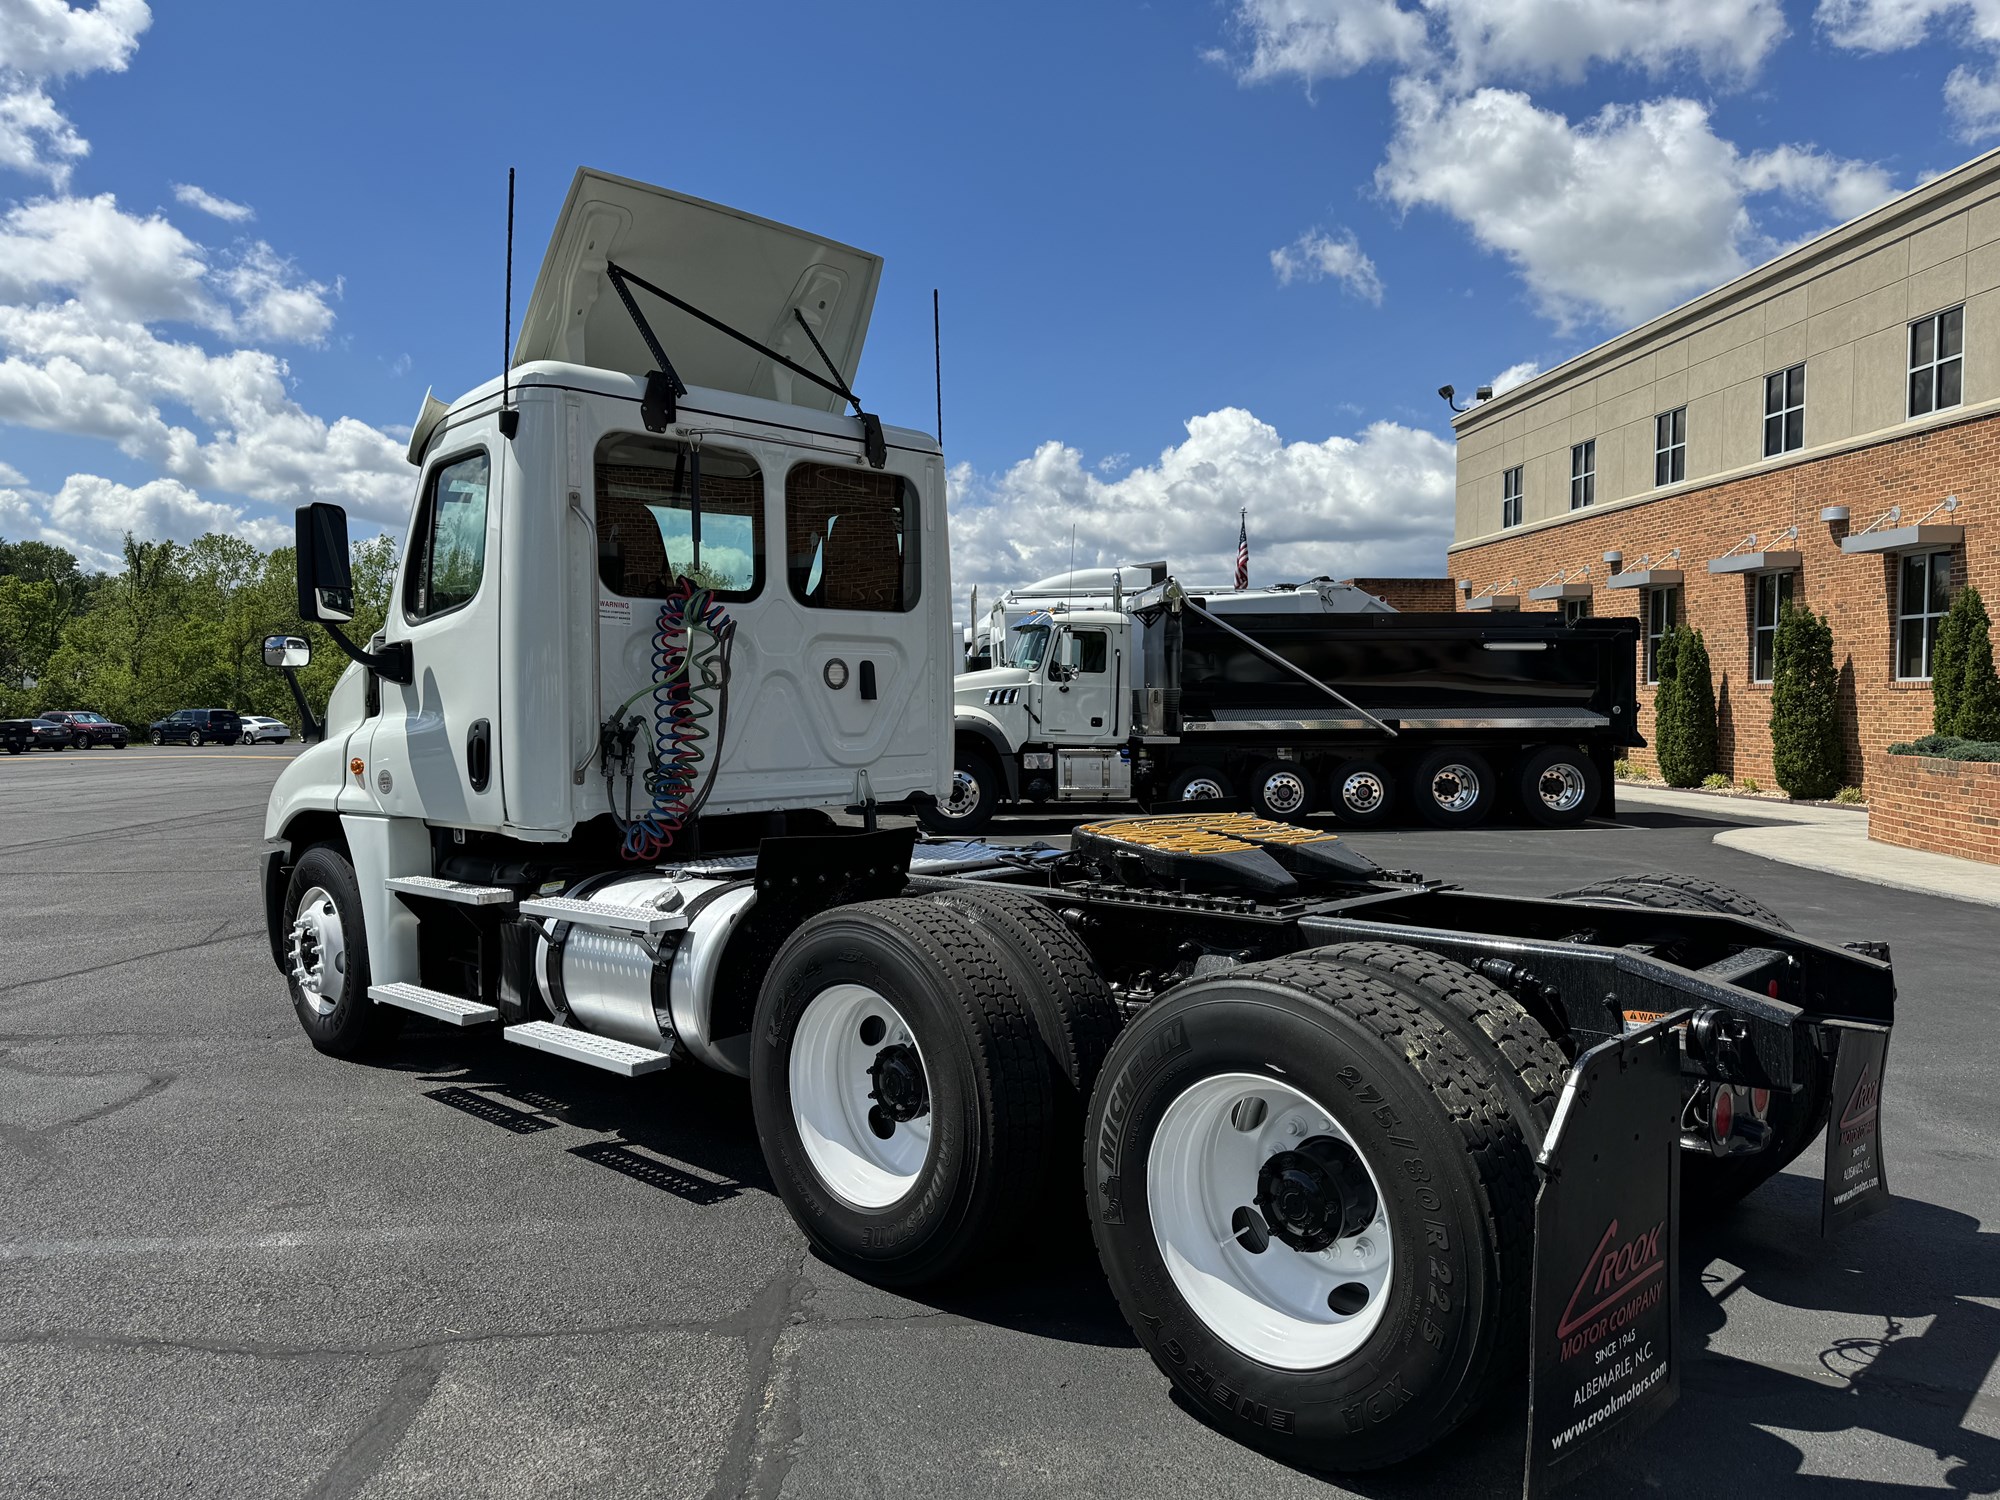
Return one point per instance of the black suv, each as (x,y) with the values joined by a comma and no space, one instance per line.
(198,726)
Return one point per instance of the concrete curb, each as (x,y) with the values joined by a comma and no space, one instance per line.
(1833,840)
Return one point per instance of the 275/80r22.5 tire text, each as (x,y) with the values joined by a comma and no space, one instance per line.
(1313,1210)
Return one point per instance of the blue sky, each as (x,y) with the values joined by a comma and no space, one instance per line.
(1192,257)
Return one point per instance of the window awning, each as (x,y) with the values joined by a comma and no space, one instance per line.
(1549,591)
(1904,539)
(1647,578)
(1494,601)
(1756,562)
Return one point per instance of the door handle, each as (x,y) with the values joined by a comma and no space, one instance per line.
(868,679)
(479,754)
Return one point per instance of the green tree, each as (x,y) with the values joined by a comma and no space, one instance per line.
(1684,708)
(1976,688)
(1805,706)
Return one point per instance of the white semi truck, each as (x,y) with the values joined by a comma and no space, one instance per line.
(665,610)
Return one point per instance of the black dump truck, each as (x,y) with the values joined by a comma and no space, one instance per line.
(1170,696)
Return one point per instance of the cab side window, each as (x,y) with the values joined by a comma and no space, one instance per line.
(1085,651)
(450,537)
(851,539)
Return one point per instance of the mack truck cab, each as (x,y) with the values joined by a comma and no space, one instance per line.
(668,609)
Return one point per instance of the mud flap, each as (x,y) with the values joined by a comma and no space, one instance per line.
(1605,1361)
(1857,1184)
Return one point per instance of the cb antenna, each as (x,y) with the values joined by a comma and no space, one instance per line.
(510,419)
(937,356)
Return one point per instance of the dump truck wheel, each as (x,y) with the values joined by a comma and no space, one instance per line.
(1710,1184)
(1557,786)
(973,798)
(1453,788)
(1526,1064)
(1314,1209)
(1362,793)
(901,1089)
(326,957)
(1282,790)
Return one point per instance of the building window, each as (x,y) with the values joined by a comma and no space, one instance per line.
(1574,610)
(1937,361)
(1921,602)
(1774,595)
(1582,474)
(1670,446)
(1785,411)
(1663,613)
(1510,496)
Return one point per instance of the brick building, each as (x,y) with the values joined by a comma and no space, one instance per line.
(1411,595)
(1824,428)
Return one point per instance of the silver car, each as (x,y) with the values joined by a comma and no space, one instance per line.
(257,728)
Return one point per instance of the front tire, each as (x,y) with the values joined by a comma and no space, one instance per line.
(159,738)
(1242,1121)
(901,1090)
(326,957)
(974,797)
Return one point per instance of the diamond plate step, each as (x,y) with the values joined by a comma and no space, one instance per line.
(453,1010)
(584,1047)
(451,890)
(643,920)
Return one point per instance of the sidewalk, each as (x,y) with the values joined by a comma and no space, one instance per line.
(1832,839)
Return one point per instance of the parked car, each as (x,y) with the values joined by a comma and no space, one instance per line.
(46,734)
(256,727)
(15,734)
(198,726)
(90,729)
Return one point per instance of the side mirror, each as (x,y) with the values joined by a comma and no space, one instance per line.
(326,583)
(287,652)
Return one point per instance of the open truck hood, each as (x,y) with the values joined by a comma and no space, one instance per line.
(748,272)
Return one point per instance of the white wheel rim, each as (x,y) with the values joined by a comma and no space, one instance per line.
(318,950)
(1202,1169)
(1455,787)
(1202,789)
(1284,791)
(1561,787)
(963,801)
(1362,792)
(834,1094)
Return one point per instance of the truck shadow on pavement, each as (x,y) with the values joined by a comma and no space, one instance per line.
(690,1134)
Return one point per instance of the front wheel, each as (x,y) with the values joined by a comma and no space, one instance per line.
(902,1091)
(969,804)
(1315,1213)
(326,957)
(159,738)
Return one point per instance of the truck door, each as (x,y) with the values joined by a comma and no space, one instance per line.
(436,746)
(1076,704)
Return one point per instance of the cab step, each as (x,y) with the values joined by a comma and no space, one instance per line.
(453,1010)
(642,921)
(586,1047)
(450,890)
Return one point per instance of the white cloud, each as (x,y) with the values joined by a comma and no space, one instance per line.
(1892,25)
(11,477)
(273,306)
(45,41)
(1974,102)
(1514,375)
(208,203)
(1619,216)
(1378,504)
(90,516)
(1317,255)
(1476,41)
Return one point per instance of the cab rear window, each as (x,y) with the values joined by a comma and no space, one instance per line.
(851,539)
(647,518)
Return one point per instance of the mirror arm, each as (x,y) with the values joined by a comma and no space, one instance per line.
(392,661)
(313,729)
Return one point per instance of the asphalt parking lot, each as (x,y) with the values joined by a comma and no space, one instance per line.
(232,1267)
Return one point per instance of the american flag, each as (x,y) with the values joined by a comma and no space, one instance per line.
(1243,552)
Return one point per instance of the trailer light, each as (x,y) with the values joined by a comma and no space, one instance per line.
(1722,1114)
(1772,989)
(1760,1102)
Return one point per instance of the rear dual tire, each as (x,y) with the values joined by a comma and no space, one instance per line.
(1243,1119)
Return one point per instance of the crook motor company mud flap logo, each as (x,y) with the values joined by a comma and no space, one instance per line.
(1607,1254)
(1856,1183)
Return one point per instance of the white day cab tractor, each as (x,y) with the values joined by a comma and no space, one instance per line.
(665,610)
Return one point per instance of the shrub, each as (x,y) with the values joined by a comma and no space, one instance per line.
(1948,660)
(1974,690)
(1750,784)
(1851,795)
(1684,708)
(1630,770)
(1948,747)
(1715,781)
(1805,706)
